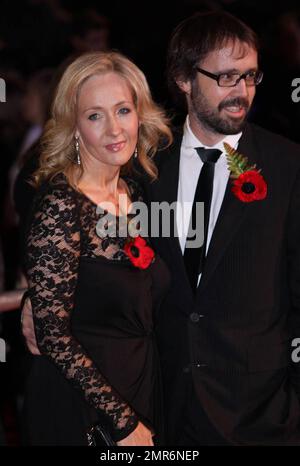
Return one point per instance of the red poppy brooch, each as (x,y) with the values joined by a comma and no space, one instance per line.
(139,253)
(248,184)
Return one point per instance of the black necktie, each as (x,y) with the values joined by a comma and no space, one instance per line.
(194,258)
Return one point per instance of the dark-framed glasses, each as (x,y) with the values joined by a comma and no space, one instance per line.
(252,78)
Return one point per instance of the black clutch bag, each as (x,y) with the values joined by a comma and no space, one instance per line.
(98,436)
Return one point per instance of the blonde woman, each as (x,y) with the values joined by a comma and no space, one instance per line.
(92,302)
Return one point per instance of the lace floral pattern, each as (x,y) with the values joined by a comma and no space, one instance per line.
(63,228)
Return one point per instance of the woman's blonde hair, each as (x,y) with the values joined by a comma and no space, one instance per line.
(58,143)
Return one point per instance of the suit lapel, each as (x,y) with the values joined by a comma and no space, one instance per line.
(231,214)
(166,189)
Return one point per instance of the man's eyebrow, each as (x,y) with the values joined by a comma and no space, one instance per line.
(236,71)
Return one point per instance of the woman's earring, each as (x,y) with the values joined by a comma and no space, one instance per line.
(78,158)
(135,154)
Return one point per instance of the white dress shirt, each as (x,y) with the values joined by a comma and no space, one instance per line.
(189,169)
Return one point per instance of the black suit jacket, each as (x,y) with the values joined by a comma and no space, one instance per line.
(233,341)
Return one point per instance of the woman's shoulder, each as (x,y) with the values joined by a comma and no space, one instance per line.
(56,192)
(56,186)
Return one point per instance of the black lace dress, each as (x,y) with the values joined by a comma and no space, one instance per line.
(94,315)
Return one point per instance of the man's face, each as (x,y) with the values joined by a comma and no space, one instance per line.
(222,110)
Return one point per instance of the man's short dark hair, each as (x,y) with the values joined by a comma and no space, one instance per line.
(195,37)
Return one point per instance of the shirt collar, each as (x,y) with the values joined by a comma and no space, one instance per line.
(190,141)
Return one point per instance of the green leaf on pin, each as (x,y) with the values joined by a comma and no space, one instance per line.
(237,163)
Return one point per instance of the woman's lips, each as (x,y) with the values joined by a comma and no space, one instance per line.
(116,147)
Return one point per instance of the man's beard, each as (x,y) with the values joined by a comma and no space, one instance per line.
(211,118)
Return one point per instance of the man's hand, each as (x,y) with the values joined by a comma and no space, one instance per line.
(140,437)
(28,328)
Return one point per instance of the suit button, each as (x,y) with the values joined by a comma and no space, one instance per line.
(200,364)
(195,317)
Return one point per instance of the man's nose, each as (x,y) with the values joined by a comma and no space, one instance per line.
(241,88)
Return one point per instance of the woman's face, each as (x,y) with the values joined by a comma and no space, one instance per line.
(107,121)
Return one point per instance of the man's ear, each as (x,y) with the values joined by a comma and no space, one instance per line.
(184,86)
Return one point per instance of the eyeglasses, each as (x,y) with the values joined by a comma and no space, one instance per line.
(252,78)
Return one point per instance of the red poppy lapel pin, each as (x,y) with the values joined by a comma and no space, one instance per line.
(248,184)
(139,253)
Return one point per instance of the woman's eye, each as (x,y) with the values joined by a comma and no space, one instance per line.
(124,110)
(94,116)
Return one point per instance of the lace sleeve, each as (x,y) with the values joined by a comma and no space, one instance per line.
(52,259)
